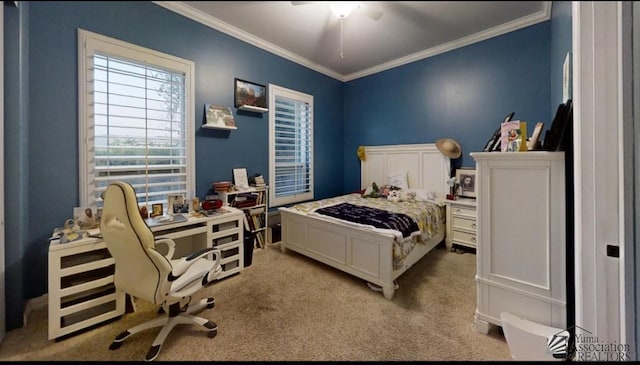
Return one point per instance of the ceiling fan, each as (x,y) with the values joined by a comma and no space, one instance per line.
(341,10)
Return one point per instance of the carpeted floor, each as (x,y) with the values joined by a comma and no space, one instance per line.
(285,307)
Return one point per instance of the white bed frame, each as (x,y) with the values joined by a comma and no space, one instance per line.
(366,254)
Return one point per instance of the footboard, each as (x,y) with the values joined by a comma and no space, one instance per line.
(367,255)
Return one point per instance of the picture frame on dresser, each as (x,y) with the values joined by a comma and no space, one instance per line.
(466,176)
(493,144)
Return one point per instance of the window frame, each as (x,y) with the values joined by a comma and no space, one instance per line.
(88,43)
(274,91)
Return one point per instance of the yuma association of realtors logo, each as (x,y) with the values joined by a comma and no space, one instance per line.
(586,347)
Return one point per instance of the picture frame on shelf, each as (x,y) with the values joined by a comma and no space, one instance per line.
(466,177)
(219,116)
(249,94)
(240,178)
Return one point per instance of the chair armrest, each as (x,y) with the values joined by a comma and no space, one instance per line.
(171,245)
(183,264)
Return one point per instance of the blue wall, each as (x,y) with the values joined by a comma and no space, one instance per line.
(463,94)
(43,184)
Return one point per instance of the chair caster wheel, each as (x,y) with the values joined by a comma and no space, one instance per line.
(212,334)
(211,303)
(115,345)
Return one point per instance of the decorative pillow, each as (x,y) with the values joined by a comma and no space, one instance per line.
(399,179)
(423,195)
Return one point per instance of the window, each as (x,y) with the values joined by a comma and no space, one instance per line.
(290,146)
(136,119)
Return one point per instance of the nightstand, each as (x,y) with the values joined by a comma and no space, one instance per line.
(461,223)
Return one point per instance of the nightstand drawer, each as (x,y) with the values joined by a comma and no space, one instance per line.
(463,237)
(464,223)
(463,211)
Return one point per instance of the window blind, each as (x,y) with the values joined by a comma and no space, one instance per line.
(137,127)
(292,148)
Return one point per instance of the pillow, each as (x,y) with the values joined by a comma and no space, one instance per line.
(422,195)
(399,179)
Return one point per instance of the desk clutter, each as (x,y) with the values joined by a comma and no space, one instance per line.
(80,272)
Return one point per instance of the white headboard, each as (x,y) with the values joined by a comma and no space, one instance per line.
(427,168)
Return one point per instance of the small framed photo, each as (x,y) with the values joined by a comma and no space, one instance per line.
(240,178)
(177,204)
(466,177)
(249,93)
(86,217)
(156,210)
(219,116)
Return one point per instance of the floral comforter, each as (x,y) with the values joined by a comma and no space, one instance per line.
(429,217)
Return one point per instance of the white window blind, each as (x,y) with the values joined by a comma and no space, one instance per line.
(137,121)
(290,145)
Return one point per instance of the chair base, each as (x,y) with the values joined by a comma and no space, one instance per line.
(176,316)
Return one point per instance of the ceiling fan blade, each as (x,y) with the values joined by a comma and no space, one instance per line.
(372,13)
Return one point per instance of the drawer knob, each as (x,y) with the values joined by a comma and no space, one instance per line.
(457,211)
(473,225)
(473,239)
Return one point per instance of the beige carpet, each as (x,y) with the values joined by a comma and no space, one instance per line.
(286,307)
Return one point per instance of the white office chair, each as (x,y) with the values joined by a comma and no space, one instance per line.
(143,272)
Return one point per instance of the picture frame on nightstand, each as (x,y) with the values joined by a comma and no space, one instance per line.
(466,177)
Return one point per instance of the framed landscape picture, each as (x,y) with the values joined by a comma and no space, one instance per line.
(250,93)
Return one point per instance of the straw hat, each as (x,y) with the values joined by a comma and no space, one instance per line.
(449,147)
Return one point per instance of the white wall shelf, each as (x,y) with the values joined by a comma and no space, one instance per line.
(213,126)
(251,108)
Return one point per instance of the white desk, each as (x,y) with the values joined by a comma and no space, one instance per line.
(81,273)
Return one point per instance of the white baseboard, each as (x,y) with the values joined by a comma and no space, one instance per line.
(34,303)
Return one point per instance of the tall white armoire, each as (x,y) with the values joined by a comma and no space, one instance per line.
(521,243)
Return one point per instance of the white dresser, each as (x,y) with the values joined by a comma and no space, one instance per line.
(521,250)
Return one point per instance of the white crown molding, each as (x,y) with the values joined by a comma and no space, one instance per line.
(523,22)
(217,24)
(205,19)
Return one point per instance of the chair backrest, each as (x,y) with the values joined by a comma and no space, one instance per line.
(140,270)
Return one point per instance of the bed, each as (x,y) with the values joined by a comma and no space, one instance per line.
(367,252)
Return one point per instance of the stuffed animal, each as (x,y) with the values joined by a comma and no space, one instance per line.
(374,192)
(394,196)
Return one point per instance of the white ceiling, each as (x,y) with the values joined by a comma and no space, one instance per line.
(407,31)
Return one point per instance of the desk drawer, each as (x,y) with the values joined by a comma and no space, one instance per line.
(464,223)
(221,241)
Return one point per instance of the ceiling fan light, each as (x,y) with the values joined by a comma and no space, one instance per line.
(342,9)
